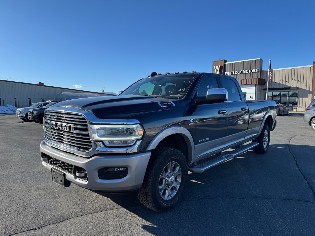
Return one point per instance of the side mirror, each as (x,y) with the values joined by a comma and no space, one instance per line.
(216,95)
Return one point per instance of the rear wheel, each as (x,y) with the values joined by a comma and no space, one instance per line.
(263,141)
(313,123)
(165,179)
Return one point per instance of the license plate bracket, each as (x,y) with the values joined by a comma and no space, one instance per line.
(59,177)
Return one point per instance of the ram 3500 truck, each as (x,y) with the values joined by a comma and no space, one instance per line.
(152,134)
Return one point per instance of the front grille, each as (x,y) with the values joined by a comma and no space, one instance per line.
(67,131)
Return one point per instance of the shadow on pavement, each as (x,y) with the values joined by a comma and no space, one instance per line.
(296,114)
(249,195)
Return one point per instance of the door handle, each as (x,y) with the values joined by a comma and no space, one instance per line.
(222,112)
(244,109)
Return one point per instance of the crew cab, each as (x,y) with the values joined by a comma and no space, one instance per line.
(152,134)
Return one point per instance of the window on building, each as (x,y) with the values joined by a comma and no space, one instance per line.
(293,98)
(284,98)
(287,98)
(276,97)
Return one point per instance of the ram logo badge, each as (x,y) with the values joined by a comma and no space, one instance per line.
(60,126)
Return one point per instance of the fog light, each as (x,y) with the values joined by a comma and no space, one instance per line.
(80,173)
(112,173)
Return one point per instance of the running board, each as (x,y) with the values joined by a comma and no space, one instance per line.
(214,161)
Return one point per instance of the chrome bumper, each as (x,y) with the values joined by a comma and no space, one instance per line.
(20,115)
(136,164)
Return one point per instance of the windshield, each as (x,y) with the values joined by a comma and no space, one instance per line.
(35,105)
(166,86)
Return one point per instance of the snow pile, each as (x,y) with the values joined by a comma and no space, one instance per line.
(8,109)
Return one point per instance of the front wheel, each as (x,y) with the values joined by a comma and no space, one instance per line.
(263,141)
(313,123)
(165,179)
(29,116)
(25,118)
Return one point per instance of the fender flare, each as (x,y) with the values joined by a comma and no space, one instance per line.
(171,131)
(267,115)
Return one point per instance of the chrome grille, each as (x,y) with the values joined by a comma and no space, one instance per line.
(67,131)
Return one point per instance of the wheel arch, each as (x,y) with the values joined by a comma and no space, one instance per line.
(174,137)
(310,122)
(270,120)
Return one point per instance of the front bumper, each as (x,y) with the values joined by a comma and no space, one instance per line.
(136,164)
(20,115)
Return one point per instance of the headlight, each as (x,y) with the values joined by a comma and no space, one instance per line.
(116,135)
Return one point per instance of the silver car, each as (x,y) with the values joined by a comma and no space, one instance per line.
(309,115)
(22,113)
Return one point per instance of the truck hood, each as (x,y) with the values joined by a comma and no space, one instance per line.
(110,107)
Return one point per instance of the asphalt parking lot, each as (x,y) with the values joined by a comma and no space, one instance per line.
(254,194)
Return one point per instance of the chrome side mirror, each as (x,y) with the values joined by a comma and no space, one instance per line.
(217,95)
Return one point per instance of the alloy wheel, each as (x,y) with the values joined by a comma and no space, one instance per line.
(170,180)
(265,139)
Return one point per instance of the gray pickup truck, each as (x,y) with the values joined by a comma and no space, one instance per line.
(152,134)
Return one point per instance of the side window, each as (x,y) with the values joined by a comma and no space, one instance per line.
(230,86)
(206,82)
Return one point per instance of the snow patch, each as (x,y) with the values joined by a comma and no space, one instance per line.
(8,109)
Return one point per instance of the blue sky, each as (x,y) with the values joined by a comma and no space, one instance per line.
(107,45)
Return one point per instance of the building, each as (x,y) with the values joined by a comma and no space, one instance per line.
(293,87)
(21,94)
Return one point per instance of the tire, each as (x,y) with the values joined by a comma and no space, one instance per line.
(29,116)
(312,123)
(164,181)
(263,141)
(25,118)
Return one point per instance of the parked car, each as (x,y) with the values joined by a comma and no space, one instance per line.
(152,134)
(22,113)
(282,110)
(37,114)
(309,115)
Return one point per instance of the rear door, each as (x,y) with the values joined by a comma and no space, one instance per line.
(236,109)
